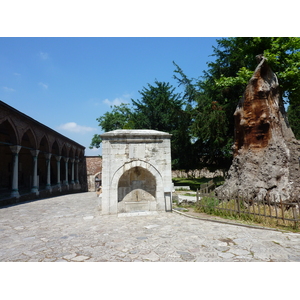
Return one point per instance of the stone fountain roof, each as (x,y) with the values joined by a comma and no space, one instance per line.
(135,133)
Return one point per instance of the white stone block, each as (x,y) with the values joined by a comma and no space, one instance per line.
(144,158)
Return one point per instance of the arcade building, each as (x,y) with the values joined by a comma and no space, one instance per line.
(36,161)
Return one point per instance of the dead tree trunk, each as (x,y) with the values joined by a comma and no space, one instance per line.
(266,153)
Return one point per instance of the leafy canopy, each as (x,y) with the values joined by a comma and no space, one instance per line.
(201,118)
(118,118)
(159,108)
(216,94)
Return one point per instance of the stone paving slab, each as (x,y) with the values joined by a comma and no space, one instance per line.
(71,228)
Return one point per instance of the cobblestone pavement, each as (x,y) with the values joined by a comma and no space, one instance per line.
(71,229)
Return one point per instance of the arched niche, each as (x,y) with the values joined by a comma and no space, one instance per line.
(139,187)
(42,161)
(64,165)
(8,137)
(28,139)
(44,145)
(7,133)
(55,152)
(137,184)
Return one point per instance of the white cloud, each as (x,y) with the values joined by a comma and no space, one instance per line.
(8,89)
(17,74)
(44,55)
(74,127)
(45,86)
(117,101)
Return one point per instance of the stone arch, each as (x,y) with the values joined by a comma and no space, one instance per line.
(136,163)
(136,184)
(64,165)
(42,161)
(94,181)
(44,145)
(55,153)
(26,161)
(8,133)
(72,152)
(99,177)
(76,152)
(55,148)
(80,153)
(28,139)
(8,137)
(64,151)
(152,198)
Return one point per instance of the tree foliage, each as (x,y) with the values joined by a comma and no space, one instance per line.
(293,113)
(235,64)
(201,118)
(160,108)
(118,118)
(217,92)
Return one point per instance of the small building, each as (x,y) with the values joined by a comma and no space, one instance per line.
(94,172)
(36,161)
(136,174)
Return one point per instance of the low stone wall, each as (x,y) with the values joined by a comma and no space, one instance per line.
(196,173)
(181,187)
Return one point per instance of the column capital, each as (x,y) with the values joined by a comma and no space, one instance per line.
(15,149)
(34,153)
(48,155)
(66,159)
(72,160)
(57,157)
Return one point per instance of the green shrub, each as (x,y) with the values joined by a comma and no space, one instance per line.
(207,205)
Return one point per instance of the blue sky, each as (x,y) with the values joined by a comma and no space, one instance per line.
(66,83)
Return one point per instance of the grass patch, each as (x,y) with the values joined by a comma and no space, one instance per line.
(182,190)
(251,215)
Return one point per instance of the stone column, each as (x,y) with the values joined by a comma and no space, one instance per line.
(58,170)
(72,161)
(76,173)
(66,159)
(15,184)
(48,162)
(34,188)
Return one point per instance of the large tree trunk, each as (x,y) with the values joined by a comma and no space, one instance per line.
(266,153)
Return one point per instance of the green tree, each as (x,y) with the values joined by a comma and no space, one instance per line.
(236,62)
(118,118)
(293,113)
(209,124)
(160,108)
(216,94)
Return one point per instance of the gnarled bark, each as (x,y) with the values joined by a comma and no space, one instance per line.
(266,154)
